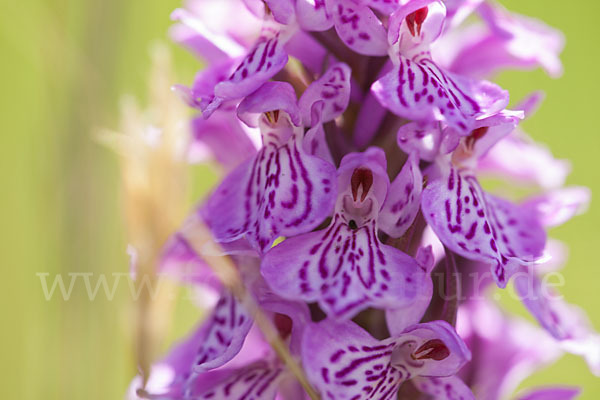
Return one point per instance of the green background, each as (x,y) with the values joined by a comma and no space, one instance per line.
(65,64)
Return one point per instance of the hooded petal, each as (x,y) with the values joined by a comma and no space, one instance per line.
(358,27)
(424,139)
(270,96)
(480,226)
(430,349)
(485,134)
(419,90)
(343,361)
(312,15)
(333,89)
(403,201)
(446,388)
(415,25)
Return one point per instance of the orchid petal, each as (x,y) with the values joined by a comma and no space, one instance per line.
(385,6)
(227,140)
(345,270)
(404,199)
(399,318)
(206,42)
(314,141)
(430,349)
(369,119)
(358,27)
(333,89)
(419,90)
(259,380)
(270,96)
(282,191)
(408,38)
(565,322)
(444,388)
(283,10)
(551,393)
(556,207)
(312,15)
(266,59)
(345,267)
(344,362)
(517,41)
(480,226)
(224,334)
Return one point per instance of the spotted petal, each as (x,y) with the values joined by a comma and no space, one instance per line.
(282,191)
(447,388)
(419,90)
(344,362)
(345,270)
(256,381)
(358,27)
(224,333)
(333,89)
(312,15)
(403,200)
(480,226)
(266,58)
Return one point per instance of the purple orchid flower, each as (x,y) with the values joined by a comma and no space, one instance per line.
(345,267)
(283,190)
(353,134)
(480,226)
(417,88)
(514,349)
(225,350)
(344,362)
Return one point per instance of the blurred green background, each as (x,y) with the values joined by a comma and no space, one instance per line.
(65,64)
